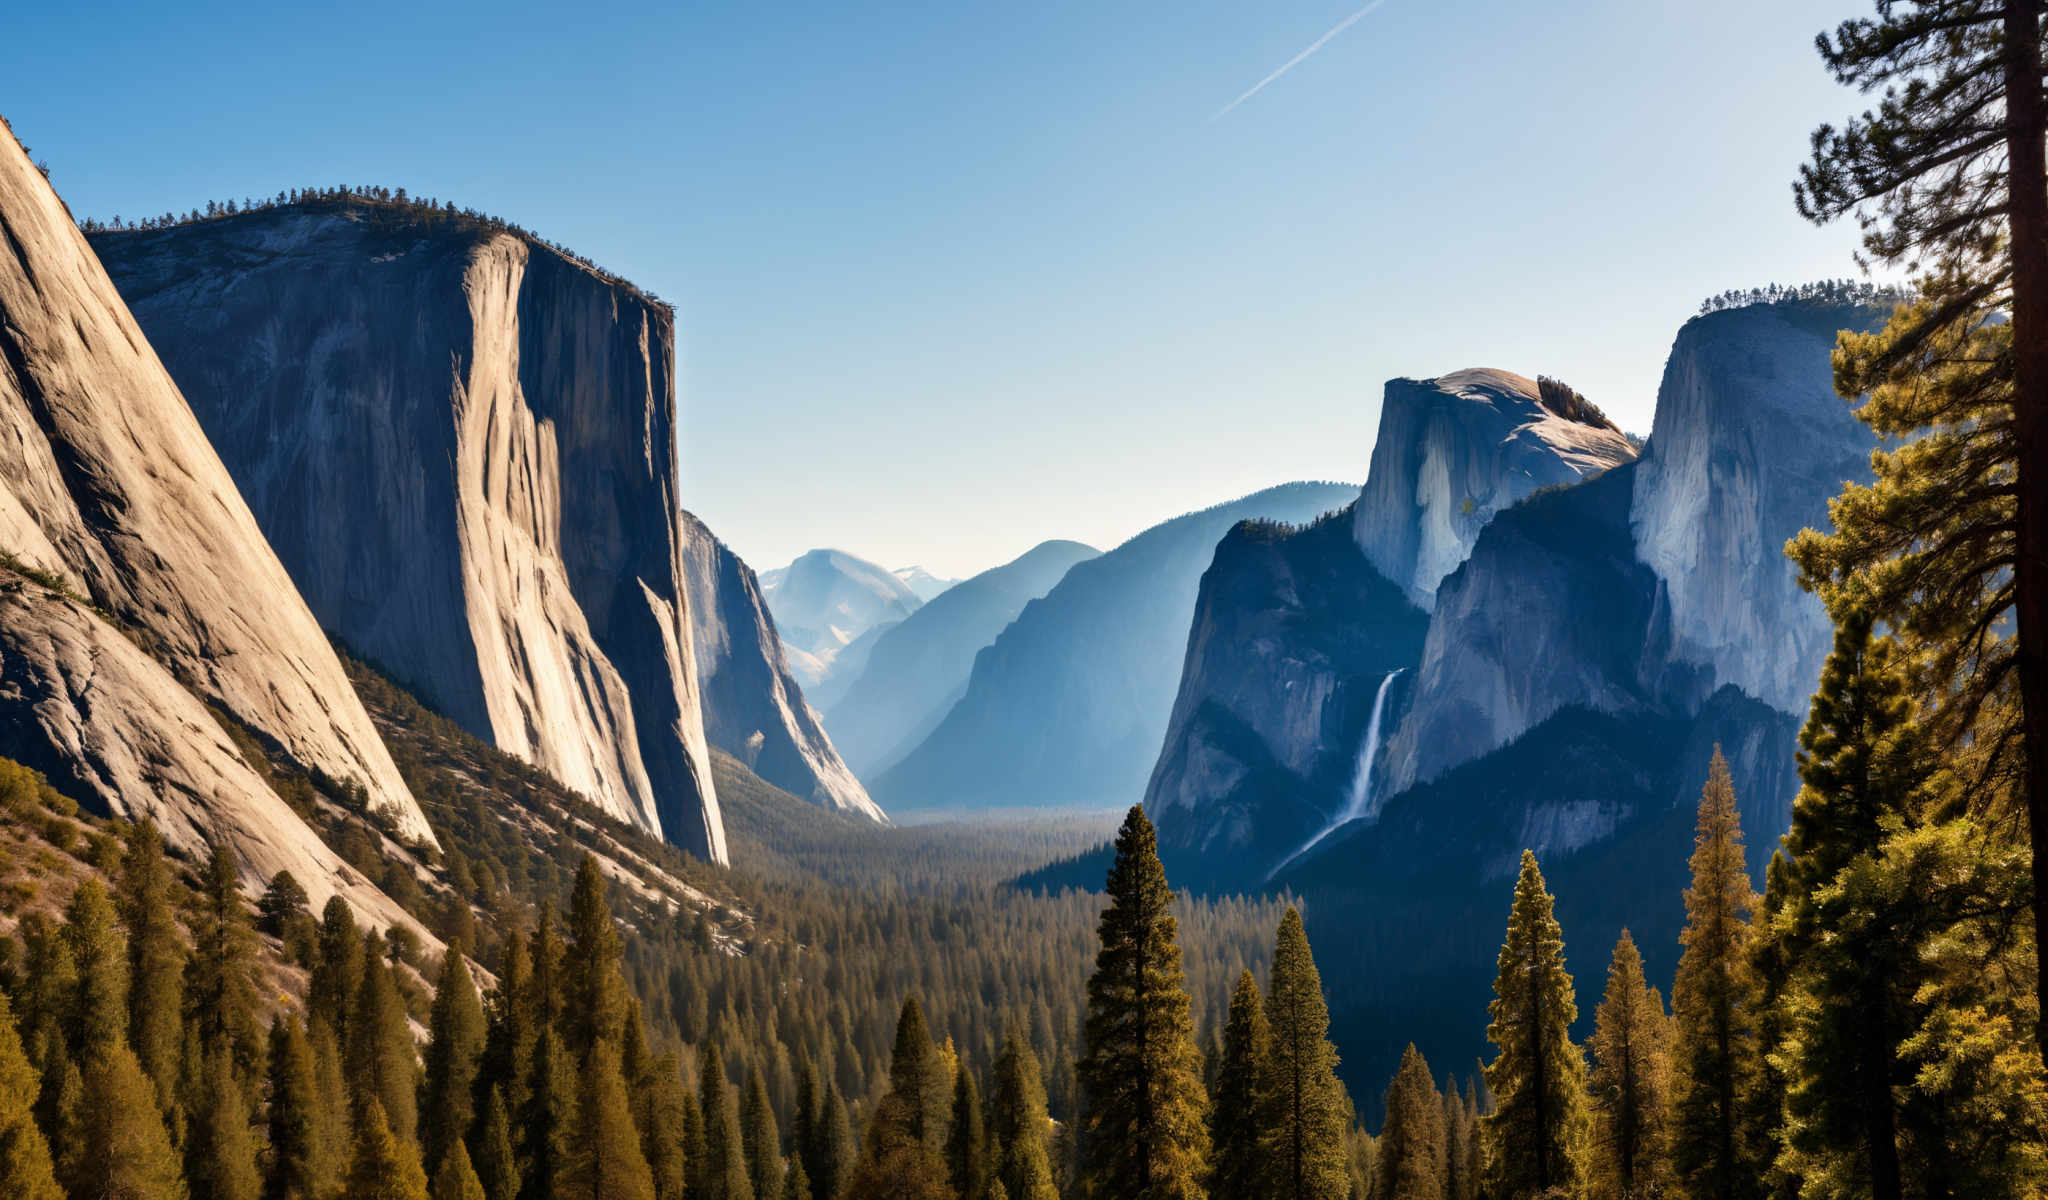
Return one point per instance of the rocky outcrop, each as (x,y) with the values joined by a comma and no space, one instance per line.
(918,668)
(462,445)
(825,601)
(109,484)
(1551,610)
(1069,705)
(1454,450)
(109,725)
(1293,635)
(1749,444)
(753,708)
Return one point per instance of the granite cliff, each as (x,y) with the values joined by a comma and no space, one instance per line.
(461,443)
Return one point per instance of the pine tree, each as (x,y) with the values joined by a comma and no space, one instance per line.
(806,1123)
(836,1146)
(454,1054)
(1536,1136)
(605,1161)
(123,1149)
(660,1110)
(1714,1010)
(1771,962)
(1951,542)
(1457,1139)
(99,1008)
(1017,1125)
(918,1077)
(1234,1120)
(331,1103)
(1143,1124)
(1305,1113)
(220,1153)
(156,957)
(496,1163)
(298,1162)
(220,995)
(383,1167)
(381,1060)
(967,1142)
(894,1163)
(457,1179)
(25,1167)
(797,1184)
(338,970)
(1411,1149)
(508,1040)
(725,1162)
(1629,1083)
(594,992)
(761,1138)
(549,1118)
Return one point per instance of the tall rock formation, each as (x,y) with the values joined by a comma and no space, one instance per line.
(1069,706)
(754,709)
(1750,442)
(461,443)
(918,669)
(1294,635)
(140,589)
(1454,450)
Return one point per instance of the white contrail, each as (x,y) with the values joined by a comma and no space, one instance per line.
(1297,60)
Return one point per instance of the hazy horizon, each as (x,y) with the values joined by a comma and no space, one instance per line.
(951,283)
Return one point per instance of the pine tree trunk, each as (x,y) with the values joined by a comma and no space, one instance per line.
(1879,1125)
(2027,164)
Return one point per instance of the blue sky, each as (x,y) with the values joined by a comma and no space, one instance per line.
(955,278)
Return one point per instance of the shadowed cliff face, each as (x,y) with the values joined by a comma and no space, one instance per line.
(753,707)
(462,446)
(1293,633)
(107,481)
(1455,450)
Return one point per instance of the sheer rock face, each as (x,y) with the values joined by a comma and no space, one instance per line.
(462,445)
(107,481)
(1750,442)
(1293,633)
(918,668)
(1455,450)
(753,708)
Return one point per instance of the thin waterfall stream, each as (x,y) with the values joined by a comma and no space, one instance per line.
(1358,802)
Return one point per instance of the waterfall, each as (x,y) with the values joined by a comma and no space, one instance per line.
(1358,802)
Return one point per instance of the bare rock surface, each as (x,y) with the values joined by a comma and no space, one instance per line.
(108,480)
(461,443)
(1453,451)
(754,708)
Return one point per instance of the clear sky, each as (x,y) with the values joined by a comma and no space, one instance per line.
(955,278)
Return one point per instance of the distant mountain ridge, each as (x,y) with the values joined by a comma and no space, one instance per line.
(824,603)
(918,668)
(1069,704)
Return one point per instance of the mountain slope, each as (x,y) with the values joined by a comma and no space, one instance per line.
(922,582)
(141,590)
(919,667)
(825,600)
(1068,706)
(462,444)
(753,707)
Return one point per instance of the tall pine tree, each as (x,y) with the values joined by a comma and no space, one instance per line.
(1412,1149)
(1306,1110)
(605,1162)
(1239,1103)
(1714,1003)
(298,1164)
(967,1141)
(1018,1124)
(382,1166)
(381,1061)
(1630,1083)
(1536,1136)
(156,957)
(25,1167)
(1144,1118)
(454,1054)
